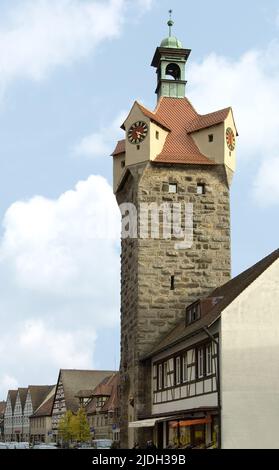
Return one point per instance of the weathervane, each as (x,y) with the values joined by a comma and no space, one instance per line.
(170,22)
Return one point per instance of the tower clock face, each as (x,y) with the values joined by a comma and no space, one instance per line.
(230,138)
(137,132)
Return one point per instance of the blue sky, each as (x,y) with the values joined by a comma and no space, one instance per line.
(69,71)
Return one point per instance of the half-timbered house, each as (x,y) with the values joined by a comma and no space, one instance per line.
(70,383)
(205,387)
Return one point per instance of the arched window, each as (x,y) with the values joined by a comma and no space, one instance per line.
(174,71)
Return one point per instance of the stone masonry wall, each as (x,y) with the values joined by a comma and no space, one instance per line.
(149,308)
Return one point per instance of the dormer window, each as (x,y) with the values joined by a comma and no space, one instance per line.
(193,313)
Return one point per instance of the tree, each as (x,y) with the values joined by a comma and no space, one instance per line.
(81,429)
(66,427)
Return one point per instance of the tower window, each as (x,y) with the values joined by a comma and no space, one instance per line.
(157,135)
(200,188)
(138,147)
(210,138)
(172,283)
(172,188)
(122,163)
(174,71)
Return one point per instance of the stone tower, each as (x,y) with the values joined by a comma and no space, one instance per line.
(171,156)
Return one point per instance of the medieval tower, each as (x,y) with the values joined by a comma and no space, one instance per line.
(171,155)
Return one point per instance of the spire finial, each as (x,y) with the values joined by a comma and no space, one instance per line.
(170,22)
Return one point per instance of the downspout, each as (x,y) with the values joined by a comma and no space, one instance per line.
(217,382)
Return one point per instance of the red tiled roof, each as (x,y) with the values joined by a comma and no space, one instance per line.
(180,118)
(120,148)
(110,388)
(179,146)
(113,402)
(154,117)
(208,120)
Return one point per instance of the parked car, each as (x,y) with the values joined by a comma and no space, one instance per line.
(3,445)
(44,446)
(101,443)
(17,445)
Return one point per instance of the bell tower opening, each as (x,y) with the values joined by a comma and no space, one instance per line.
(173,70)
(170,59)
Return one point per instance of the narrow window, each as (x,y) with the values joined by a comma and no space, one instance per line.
(172,283)
(172,188)
(177,370)
(165,374)
(138,147)
(208,359)
(184,368)
(122,163)
(200,188)
(210,138)
(200,362)
(157,135)
(160,377)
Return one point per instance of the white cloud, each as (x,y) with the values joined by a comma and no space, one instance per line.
(42,34)
(8,383)
(100,143)
(59,275)
(62,349)
(38,35)
(251,85)
(266,187)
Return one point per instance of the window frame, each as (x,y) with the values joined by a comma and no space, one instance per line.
(201,186)
(177,365)
(174,186)
(160,377)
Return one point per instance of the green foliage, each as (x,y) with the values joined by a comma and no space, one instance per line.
(65,427)
(81,427)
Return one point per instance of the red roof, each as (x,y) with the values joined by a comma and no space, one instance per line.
(154,117)
(180,118)
(208,120)
(179,145)
(120,148)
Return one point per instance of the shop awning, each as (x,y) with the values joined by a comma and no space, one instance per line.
(147,423)
(190,422)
